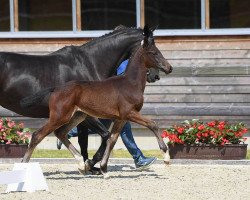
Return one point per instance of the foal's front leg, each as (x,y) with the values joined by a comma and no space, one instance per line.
(136,117)
(117,127)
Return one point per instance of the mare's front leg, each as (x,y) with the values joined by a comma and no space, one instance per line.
(117,127)
(136,117)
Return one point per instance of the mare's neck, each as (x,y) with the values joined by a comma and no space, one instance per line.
(110,50)
(136,72)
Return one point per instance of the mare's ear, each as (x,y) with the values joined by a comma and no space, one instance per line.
(146,31)
(152,29)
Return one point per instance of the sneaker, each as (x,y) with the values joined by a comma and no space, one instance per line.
(144,162)
(58,144)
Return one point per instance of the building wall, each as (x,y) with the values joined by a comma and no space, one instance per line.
(211,79)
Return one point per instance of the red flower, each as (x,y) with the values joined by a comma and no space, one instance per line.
(180,130)
(201,127)
(221,126)
(222,123)
(205,134)
(215,136)
(244,130)
(211,124)
(212,132)
(164,134)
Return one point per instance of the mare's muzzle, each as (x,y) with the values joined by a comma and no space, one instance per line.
(153,75)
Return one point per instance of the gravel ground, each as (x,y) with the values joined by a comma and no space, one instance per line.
(159,182)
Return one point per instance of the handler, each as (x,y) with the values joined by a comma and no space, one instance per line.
(141,162)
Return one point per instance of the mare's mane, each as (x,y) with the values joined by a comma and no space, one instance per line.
(118,30)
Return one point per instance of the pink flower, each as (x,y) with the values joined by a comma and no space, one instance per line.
(21,125)
(19,133)
(11,124)
(8,142)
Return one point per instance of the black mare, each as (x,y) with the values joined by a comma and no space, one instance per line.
(24,75)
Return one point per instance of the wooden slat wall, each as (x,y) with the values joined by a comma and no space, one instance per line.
(211,78)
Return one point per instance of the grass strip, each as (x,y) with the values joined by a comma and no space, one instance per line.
(44,153)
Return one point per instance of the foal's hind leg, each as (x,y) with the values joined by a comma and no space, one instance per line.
(117,127)
(136,117)
(61,134)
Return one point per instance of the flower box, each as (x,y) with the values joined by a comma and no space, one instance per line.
(14,139)
(208,152)
(212,140)
(13,150)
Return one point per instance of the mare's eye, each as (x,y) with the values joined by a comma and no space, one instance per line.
(153,52)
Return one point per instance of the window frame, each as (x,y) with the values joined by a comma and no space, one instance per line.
(140,21)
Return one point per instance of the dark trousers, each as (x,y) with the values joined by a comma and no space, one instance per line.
(126,134)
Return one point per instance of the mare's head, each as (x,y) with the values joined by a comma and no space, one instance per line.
(152,55)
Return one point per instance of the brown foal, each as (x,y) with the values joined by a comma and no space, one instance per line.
(119,98)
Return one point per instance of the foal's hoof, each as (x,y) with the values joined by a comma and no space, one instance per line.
(106,176)
(166,158)
(82,168)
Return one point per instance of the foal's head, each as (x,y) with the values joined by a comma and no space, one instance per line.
(152,55)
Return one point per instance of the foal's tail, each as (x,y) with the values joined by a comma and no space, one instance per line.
(36,98)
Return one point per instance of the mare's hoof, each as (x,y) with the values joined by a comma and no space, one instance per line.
(95,171)
(87,165)
(81,171)
(167,162)
(92,171)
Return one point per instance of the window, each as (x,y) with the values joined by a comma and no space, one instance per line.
(173,14)
(4,16)
(45,15)
(229,14)
(92,18)
(107,14)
